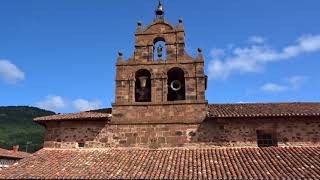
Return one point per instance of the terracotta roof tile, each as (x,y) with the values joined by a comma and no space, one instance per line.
(264,109)
(13,154)
(214,110)
(172,163)
(102,114)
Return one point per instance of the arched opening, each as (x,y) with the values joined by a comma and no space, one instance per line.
(159,48)
(143,86)
(176,85)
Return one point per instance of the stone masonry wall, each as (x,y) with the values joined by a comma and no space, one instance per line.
(193,73)
(190,109)
(237,132)
(101,134)
(289,131)
(171,112)
(159,30)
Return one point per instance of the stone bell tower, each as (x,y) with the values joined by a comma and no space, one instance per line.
(160,83)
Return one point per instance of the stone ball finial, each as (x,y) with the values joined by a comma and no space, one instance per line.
(139,23)
(199,50)
(120,53)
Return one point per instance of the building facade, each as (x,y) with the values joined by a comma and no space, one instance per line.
(160,102)
(9,157)
(161,126)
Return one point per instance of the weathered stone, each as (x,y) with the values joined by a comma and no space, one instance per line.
(164,123)
(235,132)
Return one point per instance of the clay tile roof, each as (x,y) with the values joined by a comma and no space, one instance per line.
(13,154)
(264,109)
(173,163)
(102,114)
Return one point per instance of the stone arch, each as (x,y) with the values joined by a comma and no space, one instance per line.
(167,69)
(154,25)
(176,84)
(159,48)
(158,38)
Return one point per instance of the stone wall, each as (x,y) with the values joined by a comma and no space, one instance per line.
(192,108)
(289,131)
(101,134)
(170,112)
(145,39)
(195,80)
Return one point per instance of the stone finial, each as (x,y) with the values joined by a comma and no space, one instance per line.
(180,25)
(200,56)
(120,59)
(139,28)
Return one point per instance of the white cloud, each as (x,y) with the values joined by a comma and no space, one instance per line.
(58,103)
(296,81)
(85,105)
(10,73)
(242,102)
(217,52)
(254,57)
(256,39)
(291,83)
(53,103)
(272,87)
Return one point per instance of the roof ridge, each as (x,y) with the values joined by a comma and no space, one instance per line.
(173,148)
(264,103)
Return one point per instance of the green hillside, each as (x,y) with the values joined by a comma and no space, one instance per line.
(16,127)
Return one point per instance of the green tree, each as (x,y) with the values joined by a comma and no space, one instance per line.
(17,127)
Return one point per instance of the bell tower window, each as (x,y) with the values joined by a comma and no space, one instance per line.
(176,85)
(143,86)
(159,49)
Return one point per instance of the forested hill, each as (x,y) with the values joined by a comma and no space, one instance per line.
(17,128)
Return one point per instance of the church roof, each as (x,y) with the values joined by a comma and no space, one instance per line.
(99,114)
(13,154)
(214,111)
(173,163)
(264,109)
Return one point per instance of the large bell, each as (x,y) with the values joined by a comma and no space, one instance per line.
(176,85)
(143,92)
(143,81)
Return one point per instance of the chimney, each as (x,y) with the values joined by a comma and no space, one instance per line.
(15,148)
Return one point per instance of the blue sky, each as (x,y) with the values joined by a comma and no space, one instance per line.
(61,55)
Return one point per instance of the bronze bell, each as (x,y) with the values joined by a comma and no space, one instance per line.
(159,51)
(143,81)
(143,92)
